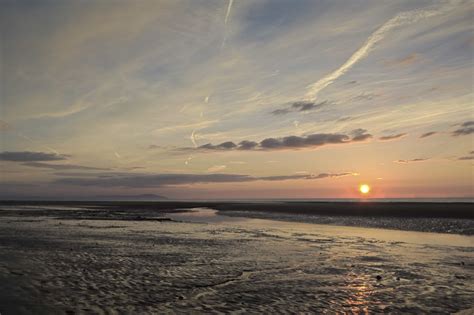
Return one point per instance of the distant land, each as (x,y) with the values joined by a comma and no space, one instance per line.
(141,197)
(149,197)
(404,209)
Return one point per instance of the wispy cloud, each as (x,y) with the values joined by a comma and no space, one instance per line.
(392,137)
(188,160)
(224,40)
(364,96)
(302,106)
(216,168)
(360,135)
(63,166)
(164,180)
(467,157)
(174,127)
(405,61)
(37,143)
(467,128)
(27,156)
(229,7)
(289,142)
(428,134)
(411,161)
(193,138)
(281,111)
(403,18)
(345,118)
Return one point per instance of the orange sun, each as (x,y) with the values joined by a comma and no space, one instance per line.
(364,189)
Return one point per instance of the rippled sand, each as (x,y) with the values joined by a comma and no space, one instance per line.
(206,263)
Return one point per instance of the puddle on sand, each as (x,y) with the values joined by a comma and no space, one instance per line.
(203,215)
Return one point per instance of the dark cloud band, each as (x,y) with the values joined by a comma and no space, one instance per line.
(392,137)
(301,106)
(467,128)
(63,166)
(410,161)
(27,156)
(428,134)
(290,142)
(161,180)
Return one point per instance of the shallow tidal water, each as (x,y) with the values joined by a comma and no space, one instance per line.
(204,262)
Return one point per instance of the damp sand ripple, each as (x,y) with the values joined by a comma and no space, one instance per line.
(70,266)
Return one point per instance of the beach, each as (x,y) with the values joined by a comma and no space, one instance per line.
(149,258)
(236,157)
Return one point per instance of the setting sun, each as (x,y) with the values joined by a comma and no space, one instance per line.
(364,189)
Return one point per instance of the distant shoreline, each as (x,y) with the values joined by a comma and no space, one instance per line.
(460,210)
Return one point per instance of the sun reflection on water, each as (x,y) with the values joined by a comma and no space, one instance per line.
(360,290)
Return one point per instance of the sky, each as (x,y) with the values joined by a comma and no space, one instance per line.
(206,99)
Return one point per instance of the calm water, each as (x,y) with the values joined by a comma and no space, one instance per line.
(205,215)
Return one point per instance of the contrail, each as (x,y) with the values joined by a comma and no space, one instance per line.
(403,18)
(188,160)
(228,11)
(6,126)
(193,139)
(229,7)
(37,143)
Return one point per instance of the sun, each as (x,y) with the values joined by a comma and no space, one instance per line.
(364,189)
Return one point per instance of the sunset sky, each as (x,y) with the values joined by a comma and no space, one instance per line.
(237,99)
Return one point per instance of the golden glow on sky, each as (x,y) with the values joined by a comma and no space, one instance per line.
(364,189)
(214,99)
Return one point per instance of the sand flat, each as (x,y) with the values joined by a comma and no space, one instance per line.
(203,262)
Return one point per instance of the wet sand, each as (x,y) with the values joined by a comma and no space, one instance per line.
(353,208)
(69,259)
(443,217)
